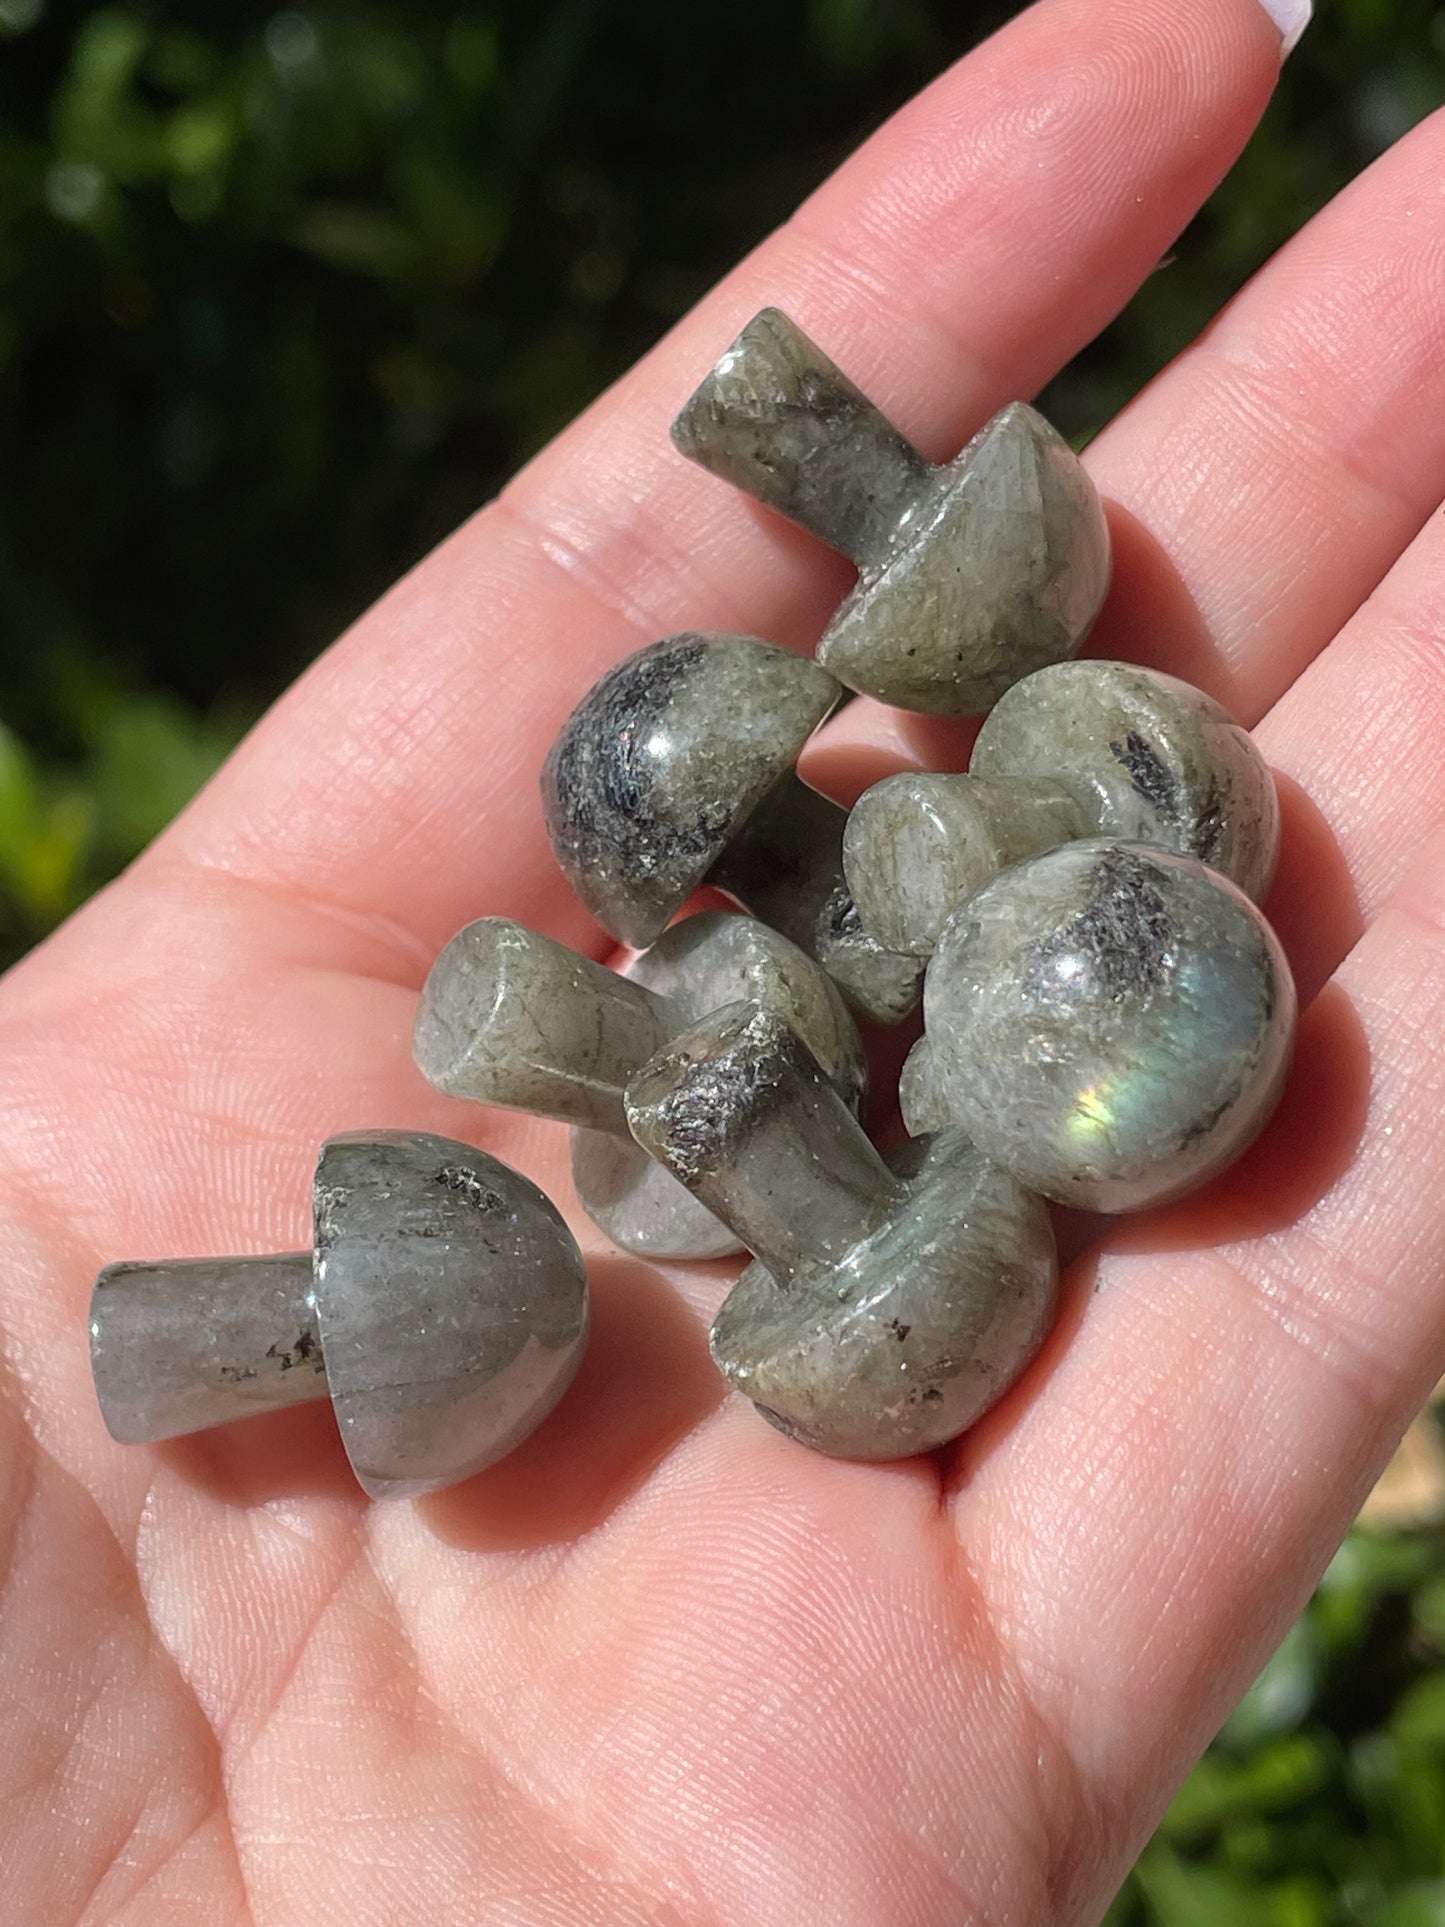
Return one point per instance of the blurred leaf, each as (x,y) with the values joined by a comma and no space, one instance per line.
(1422,1904)
(1284,1692)
(1280,1773)
(151,757)
(1419,1718)
(1183,1893)
(44,836)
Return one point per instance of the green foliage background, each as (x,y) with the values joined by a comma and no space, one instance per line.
(285,295)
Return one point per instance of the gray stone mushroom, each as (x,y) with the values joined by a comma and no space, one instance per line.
(677,767)
(510,1017)
(443,1309)
(888,1308)
(1076,750)
(1110,1022)
(970,574)
(922,1104)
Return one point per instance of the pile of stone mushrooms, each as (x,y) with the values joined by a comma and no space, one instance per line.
(1107,1016)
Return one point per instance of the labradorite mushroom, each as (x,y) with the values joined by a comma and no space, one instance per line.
(1112,1023)
(510,1017)
(889,1308)
(443,1307)
(1079,749)
(970,575)
(677,768)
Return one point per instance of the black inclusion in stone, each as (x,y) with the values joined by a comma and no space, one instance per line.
(599,779)
(1200,831)
(840,920)
(1124,937)
(467,1185)
(1207,832)
(1149,777)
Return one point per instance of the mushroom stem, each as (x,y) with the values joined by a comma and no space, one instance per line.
(919,843)
(776,418)
(189,1343)
(510,1017)
(738,1109)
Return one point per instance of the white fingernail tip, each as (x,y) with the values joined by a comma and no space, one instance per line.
(1291,17)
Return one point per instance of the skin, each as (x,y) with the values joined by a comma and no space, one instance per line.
(665,1666)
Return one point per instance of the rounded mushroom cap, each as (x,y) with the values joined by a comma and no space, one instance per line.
(700,965)
(1159,760)
(1110,1022)
(452,1301)
(1003,571)
(664,760)
(921,1328)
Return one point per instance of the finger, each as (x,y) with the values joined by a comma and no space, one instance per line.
(1018,202)
(1274,472)
(1357,742)
(1152,1510)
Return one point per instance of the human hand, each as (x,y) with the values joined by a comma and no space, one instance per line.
(664,1665)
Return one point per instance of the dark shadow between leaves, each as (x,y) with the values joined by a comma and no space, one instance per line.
(646,1382)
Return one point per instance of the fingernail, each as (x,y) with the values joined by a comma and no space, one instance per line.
(1291,17)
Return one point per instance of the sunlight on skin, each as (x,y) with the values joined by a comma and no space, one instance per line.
(664,1666)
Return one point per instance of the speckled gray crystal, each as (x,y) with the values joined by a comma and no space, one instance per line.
(662,763)
(888,1309)
(918,843)
(700,965)
(1110,1022)
(187,1343)
(1151,759)
(1076,750)
(971,574)
(444,1309)
(510,1017)
(677,767)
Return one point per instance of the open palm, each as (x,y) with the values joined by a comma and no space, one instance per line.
(664,1665)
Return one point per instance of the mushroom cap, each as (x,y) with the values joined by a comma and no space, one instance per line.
(664,760)
(1109,1021)
(1002,571)
(917,1331)
(452,1303)
(700,965)
(1159,760)
(882,984)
